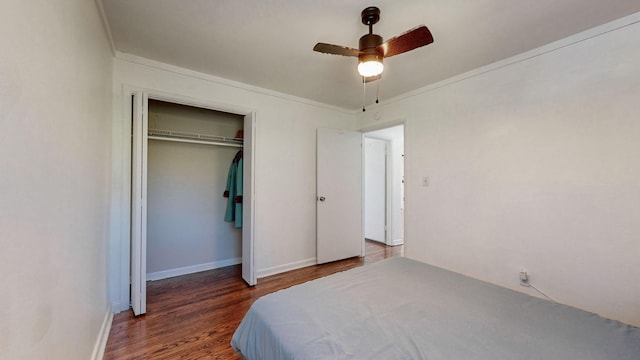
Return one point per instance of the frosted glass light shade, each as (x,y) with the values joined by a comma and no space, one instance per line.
(370,68)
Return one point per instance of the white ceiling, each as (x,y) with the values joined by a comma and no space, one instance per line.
(268,43)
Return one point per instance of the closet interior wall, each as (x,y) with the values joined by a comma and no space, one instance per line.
(186,231)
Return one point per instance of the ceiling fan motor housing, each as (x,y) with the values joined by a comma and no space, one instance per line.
(370,56)
(370,48)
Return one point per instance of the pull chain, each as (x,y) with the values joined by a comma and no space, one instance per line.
(378,89)
(363,93)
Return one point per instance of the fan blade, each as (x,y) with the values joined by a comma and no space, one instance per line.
(412,39)
(336,49)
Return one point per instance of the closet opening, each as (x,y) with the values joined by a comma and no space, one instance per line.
(192,185)
(191,225)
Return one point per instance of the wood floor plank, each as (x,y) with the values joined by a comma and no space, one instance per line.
(194,316)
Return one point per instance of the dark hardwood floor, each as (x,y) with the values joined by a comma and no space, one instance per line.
(194,316)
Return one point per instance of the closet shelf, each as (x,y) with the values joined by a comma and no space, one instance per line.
(194,138)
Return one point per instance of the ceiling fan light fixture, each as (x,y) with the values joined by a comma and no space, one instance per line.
(370,65)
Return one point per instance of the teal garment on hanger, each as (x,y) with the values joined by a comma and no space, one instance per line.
(233,192)
(238,197)
(230,193)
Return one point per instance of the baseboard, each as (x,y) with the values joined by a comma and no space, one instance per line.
(103,336)
(164,274)
(396,242)
(286,267)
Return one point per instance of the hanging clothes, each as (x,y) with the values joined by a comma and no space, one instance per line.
(230,193)
(233,192)
(238,197)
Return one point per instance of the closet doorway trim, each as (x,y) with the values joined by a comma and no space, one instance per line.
(136,263)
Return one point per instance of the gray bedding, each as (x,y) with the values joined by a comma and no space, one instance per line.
(404,309)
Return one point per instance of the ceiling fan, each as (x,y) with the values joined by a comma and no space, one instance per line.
(372,50)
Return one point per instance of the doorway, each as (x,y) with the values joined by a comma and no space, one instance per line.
(384,185)
(376,161)
(139,186)
(190,151)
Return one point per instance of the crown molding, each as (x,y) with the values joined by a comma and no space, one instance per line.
(135,59)
(105,25)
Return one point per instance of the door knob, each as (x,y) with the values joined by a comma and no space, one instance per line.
(321,198)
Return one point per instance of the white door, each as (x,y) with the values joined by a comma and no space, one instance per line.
(375,189)
(248,273)
(339,195)
(139,204)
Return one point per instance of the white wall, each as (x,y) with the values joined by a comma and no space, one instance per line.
(397,171)
(186,231)
(375,189)
(55,111)
(284,164)
(533,162)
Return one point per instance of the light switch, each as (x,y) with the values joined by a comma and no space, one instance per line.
(425,181)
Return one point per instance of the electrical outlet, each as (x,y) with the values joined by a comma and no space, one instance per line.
(425,181)
(524,278)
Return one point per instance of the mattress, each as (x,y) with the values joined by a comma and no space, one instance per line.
(404,309)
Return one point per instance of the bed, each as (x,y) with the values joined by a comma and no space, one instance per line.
(404,309)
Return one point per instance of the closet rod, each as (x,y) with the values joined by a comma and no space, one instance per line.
(193,138)
(204,142)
